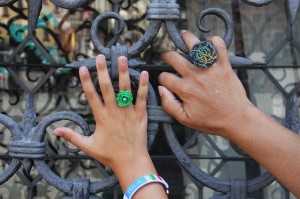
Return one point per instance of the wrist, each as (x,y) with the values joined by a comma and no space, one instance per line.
(143,181)
(239,122)
(132,169)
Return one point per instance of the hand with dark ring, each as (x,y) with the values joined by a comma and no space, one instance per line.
(213,100)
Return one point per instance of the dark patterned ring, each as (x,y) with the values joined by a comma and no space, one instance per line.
(203,54)
(124,98)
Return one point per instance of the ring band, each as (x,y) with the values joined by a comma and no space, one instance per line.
(203,54)
(124,98)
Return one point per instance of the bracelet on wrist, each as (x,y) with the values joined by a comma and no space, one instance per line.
(141,182)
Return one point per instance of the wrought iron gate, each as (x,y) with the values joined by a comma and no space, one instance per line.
(40,90)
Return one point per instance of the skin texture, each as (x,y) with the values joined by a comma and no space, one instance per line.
(114,142)
(212,100)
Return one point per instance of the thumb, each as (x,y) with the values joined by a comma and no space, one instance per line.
(73,137)
(171,104)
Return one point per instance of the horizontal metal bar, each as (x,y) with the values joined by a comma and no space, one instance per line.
(158,67)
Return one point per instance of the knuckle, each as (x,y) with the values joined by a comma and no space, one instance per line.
(187,87)
(162,77)
(69,137)
(90,95)
(142,96)
(216,39)
(105,88)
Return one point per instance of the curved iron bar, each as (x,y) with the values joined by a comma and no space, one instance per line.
(69,4)
(216,184)
(11,93)
(133,51)
(160,11)
(229,25)
(292,7)
(31,79)
(258,3)
(61,184)
(16,131)
(125,7)
(13,167)
(94,32)
(6,2)
(200,176)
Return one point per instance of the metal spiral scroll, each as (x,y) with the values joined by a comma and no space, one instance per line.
(234,188)
(225,186)
(291,6)
(228,187)
(28,146)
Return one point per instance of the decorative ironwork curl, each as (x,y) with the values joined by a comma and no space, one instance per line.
(224,186)
(229,25)
(15,130)
(14,97)
(28,144)
(94,31)
(133,51)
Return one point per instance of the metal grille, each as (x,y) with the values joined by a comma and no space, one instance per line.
(41,50)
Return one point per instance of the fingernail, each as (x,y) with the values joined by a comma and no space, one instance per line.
(161,90)
(101,58)
(144,74)
(83,70)
(183,31)
(57,132)
(122,60)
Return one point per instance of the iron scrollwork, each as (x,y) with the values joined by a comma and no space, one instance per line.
(28,146)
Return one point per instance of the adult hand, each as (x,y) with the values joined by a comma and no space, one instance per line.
(211,99)
(120,138)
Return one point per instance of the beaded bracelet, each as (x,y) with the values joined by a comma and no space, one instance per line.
(142,181)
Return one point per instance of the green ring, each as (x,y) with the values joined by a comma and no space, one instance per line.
(124,98)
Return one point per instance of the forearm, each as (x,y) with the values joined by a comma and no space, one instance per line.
(272,145)
(136,168)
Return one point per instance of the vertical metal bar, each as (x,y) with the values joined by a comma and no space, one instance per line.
(252,168)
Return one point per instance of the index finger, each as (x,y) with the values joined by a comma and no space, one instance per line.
(179,63)
(189,38)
